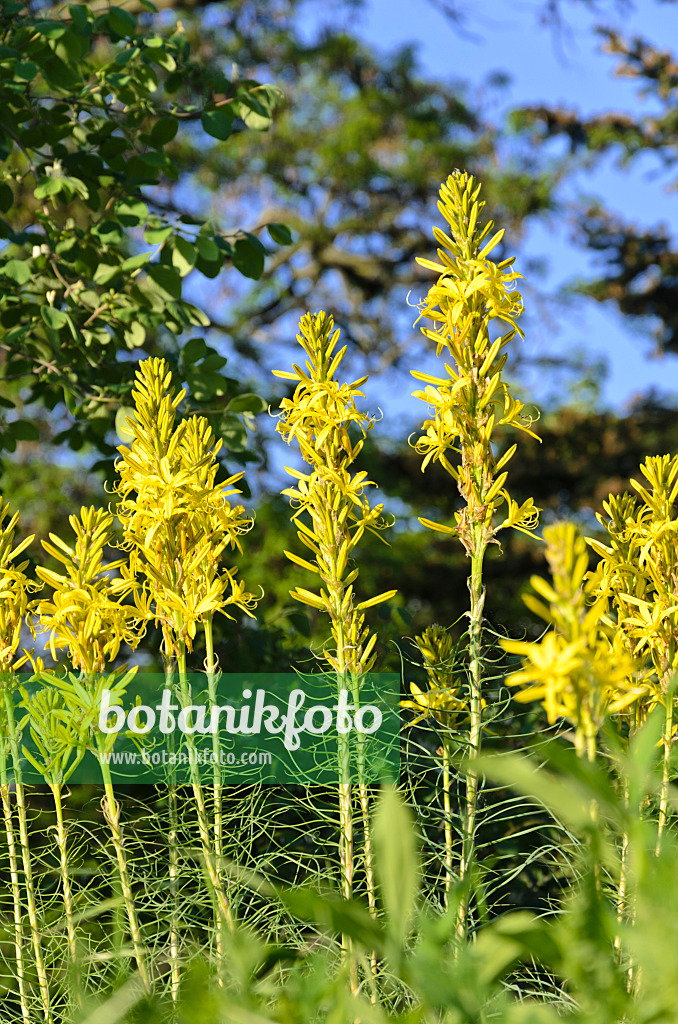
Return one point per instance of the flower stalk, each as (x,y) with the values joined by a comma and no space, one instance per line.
(177,525)
(441,700)
(332,514)
(26,859)
(467,405)
(88,617)
(15,588)
(15,884)
(636,576)
(173,855)
(57,751)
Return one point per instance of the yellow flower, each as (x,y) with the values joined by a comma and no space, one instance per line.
(15,586)
(637,570)
(86,614)
(177,521)
(441,699)
(332,510)
(580,670)
(473,399)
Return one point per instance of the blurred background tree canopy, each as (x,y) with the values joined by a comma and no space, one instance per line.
(190,178)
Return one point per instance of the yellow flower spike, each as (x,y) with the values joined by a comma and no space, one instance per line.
(85,615)
(470,293)
(441,700)
(332,511)
(637,570)
(15,588)
(579,670)
(175,517)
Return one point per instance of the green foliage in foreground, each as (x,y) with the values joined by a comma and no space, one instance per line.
(521,968)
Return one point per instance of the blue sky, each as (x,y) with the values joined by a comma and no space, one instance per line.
(565,68)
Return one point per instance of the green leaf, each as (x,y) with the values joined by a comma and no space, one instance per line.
(54,318)
(51,29)
(233,433)
(280,233)
(160,56)
(23,430)
(183,255)
(47,187)
(134,262)
(218,123)
(157,235)
(396,863)
(164,130)
(207,248)
(256,242)
(121,22)
(6,198)
(132,213)
(124,413)
(17,270)
(515,938)
(256,108)
(135,335)
(193,351)
(125,56)
(167,279)
(246,403)
(105,273)
(209,268)
(213,361)
(333,914)
(25,70)
(79,16)
(109,231)
(248,259)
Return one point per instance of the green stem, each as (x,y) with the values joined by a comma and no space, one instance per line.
(218,894)
(15,885)
(345,794)
(622,887)
(364,798)
(112,814)
(588,748)
(56,789)
(26,858)
(218,835)
(173,845)
(447,810)
(477,595)
(667,739)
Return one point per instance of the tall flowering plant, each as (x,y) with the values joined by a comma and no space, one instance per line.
(88,617)
(16,590)
(472,295)
(637,577)
(584,669)
(332,515)
(178,523)
(580,670)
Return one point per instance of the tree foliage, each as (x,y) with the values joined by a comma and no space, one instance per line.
(639,262)
(94,105)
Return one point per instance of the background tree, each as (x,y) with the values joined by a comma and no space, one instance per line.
(350,163)
(91,272)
